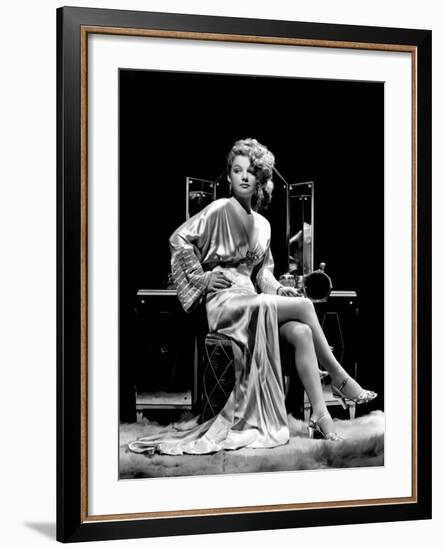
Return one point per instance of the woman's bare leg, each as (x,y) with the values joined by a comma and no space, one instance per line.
(302,309)
(299,335)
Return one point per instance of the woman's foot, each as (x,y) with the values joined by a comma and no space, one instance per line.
(348,388)
(323,428)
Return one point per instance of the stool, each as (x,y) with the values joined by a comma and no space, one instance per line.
(218,378)
(218,374)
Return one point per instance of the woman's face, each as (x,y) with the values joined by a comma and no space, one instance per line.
(241,177)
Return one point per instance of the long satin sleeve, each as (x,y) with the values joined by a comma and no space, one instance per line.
(189,277)
(265,279)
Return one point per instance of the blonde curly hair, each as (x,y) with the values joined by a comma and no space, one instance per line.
(262,163)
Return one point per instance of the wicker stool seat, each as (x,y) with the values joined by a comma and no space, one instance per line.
(218,374)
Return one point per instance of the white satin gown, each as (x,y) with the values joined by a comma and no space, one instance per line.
(224,237)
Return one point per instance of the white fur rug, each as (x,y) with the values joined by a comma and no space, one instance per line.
(363,447)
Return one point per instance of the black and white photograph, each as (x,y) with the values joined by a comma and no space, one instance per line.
(243,335)
(220,232)
(251,311)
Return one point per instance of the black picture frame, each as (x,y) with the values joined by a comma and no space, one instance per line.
(73,522)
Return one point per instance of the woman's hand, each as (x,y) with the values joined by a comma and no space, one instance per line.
(218,281)
(289,291)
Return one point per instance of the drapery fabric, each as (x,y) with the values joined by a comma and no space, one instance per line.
(224,237)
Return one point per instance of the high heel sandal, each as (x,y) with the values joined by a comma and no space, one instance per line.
(316,432)
(363,397)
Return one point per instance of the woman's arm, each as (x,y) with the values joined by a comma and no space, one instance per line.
(190,280)
(189,277)
(265,280)
(188,245)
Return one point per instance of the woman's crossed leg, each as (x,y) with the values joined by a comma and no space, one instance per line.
(302,310)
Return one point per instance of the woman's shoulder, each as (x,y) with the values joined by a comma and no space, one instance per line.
(264,221)
(219,203)
(216,206)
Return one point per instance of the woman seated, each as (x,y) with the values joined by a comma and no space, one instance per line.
(222,256)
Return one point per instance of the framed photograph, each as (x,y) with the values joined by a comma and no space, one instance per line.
(244,274)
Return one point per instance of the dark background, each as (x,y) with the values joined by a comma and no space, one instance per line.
(175,124)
